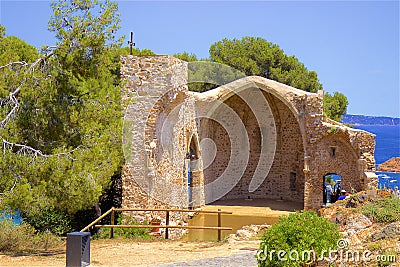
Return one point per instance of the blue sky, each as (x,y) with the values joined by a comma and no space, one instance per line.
(353,46)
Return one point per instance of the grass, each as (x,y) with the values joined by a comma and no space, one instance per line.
(24,239)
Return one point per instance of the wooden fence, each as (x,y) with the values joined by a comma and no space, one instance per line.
(167,226)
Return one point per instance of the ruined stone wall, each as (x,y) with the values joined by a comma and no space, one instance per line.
(241,190)
(222,139)
(288,158)
(215,131)
(158,118)
(333,156)
(162,118)
(353,159)
(146,82)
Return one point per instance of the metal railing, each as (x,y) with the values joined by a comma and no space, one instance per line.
(167,226)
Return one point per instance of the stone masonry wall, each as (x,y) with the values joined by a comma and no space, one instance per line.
(354,151)
(288,156)
(288,159)
(161,118)
(158,117)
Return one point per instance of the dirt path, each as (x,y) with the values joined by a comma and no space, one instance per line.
(129,253)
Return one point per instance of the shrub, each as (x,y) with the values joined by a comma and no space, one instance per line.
(384,210)
(46,240)
(84,217)
(14,238)
(56,222)
(298,233)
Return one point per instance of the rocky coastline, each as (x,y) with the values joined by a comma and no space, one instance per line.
(391,165)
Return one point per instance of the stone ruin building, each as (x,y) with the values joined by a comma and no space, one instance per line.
(252,138)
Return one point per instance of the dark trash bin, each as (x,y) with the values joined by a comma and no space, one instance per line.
(78,249)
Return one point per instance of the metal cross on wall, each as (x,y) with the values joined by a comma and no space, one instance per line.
(131,44)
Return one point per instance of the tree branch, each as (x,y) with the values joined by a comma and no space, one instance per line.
(16,179)
(30,151)
(12,100)
(11,64)
(22,149)
(12,97)
(9,115)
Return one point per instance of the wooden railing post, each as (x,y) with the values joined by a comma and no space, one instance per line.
(167,224)
(219,228)
(219,225)
(97,220)
(112,223)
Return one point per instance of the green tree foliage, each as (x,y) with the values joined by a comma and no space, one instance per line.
(14,49)
(16,52)
(2,31)
(204,75)
(60,112)
(256,56)
(124,51)
(186,57)
(329,180)
(196,74)
(300,232)
(335,105)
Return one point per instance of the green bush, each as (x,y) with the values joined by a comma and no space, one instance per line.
(385,210)
(54,221)
(15,238)
(297,233)
(133,233)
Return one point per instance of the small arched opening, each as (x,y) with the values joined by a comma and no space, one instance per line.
(194,173)
(337,157)
(332,184)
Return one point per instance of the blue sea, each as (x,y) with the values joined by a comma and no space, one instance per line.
(387,147)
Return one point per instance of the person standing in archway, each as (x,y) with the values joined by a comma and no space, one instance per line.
(337,188)
(328,193)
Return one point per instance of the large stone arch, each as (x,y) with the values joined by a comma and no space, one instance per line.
(295,99)
(287,165)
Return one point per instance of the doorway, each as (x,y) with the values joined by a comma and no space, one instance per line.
(332,185)
(194,173)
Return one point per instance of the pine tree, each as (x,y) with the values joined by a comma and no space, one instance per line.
(60,123)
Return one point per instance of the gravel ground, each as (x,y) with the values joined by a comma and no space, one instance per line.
(238,260)
(127,253)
